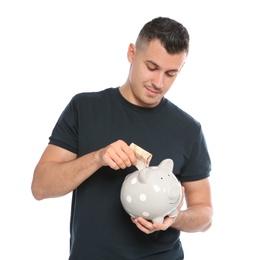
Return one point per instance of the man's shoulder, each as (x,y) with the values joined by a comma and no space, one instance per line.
(182,115)
(96,94)
(96,98)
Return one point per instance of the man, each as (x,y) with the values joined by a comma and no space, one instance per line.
(89,155)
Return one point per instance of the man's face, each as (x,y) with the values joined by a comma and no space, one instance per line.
(152,73)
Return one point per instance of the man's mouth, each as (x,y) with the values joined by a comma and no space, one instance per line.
(155,92)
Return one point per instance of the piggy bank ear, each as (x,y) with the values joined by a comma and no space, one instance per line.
(142,175)
(167,164)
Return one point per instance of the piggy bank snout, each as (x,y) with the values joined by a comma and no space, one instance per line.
(174,191)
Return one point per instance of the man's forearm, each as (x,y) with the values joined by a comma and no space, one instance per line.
(194,219)
(55,179)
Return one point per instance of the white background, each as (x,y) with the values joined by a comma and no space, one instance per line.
(51,50)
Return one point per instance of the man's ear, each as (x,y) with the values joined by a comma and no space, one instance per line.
(131,52)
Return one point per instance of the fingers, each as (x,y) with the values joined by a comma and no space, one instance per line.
(149,227)
(182,199)
(118,155)
(144,225)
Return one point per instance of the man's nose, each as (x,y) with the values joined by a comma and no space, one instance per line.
(157,81)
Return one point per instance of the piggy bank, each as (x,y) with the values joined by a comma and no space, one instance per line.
(152,193)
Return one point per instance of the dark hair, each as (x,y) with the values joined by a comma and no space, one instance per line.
(172,35)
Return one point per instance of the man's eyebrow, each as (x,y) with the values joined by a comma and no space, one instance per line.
(153,63)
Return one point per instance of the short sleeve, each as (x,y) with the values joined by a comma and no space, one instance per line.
(198,164)
(65,132)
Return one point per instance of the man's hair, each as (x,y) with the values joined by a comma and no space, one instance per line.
(172,35)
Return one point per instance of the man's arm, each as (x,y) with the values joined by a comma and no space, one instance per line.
(197,217)
(198,214)
(59,171)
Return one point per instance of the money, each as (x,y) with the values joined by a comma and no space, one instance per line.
(142,155)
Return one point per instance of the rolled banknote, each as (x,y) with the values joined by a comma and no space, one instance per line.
(142,155)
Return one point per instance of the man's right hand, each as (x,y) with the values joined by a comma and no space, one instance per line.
(117,155)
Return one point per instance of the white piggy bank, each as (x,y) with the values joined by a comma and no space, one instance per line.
(152,193)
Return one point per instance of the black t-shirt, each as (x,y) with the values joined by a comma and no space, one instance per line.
(100,228)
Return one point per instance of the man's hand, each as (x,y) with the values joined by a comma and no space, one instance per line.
(149,227)
(117,155)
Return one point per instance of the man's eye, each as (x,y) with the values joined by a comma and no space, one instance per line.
(171,74)
(152,69)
